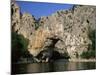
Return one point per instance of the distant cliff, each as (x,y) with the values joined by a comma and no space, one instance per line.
(70,27)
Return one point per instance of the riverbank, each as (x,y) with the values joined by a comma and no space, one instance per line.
(61,60)
(82,60)
(52,67)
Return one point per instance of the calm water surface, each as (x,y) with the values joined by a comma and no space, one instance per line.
(52,67)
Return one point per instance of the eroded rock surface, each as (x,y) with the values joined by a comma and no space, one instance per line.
(71,27)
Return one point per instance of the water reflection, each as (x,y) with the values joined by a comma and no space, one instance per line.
(52,67)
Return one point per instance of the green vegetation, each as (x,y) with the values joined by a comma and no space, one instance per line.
(92,37)
(91,53)
(19,47)
(37,25)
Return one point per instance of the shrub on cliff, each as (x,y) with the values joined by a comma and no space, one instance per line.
(37,25)
(91,53)
(92,37)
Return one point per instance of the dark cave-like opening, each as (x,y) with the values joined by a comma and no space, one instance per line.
(50,54)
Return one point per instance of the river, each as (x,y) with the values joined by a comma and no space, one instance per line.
(52,67)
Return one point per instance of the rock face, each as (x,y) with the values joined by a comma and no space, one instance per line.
(69,27)
(15,16)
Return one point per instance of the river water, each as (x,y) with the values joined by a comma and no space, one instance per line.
(52,67)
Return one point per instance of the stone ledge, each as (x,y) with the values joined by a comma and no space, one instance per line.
(82,60)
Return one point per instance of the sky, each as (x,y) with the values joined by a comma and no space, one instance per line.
(38,9)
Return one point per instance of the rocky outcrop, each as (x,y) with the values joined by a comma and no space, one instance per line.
(72,28)
(15,16)
(69,27)
(38,41)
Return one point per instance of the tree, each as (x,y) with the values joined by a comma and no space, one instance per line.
(19,46)
(91,53)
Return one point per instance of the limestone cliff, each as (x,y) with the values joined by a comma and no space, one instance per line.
(71,27)
(15,16)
